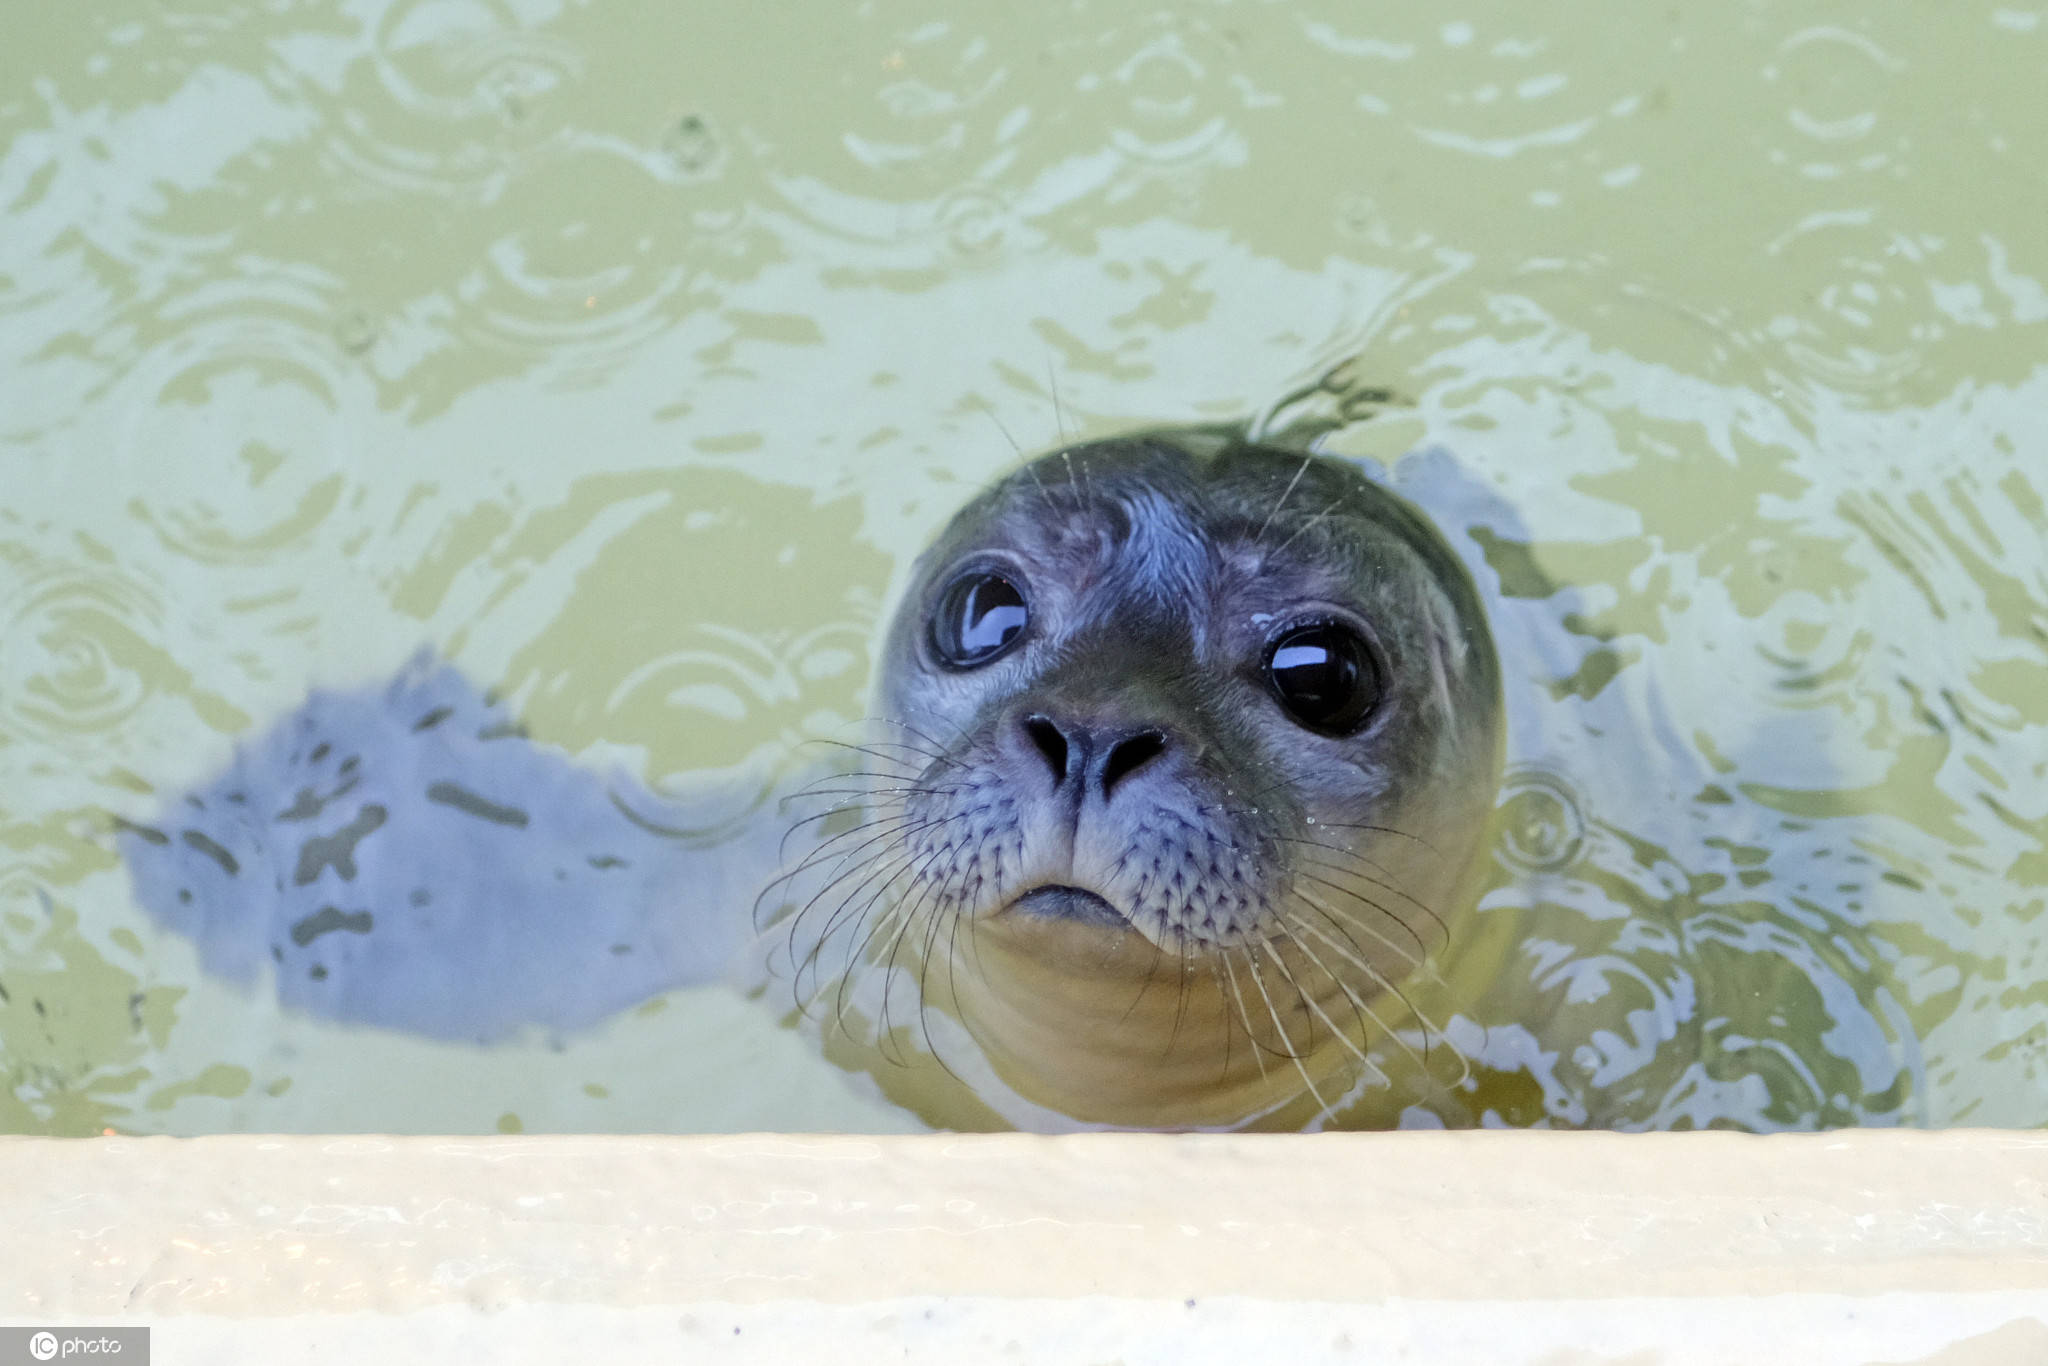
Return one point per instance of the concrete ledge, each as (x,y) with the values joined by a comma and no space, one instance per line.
(1700,1241)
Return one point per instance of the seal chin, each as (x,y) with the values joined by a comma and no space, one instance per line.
(1060,902)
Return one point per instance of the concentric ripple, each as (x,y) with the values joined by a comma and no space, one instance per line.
(475,76)
(73,644)
(1542,829)
(241,371)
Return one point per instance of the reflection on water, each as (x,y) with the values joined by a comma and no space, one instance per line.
(629,361)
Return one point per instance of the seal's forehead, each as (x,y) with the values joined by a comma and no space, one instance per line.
(1167,520)
(1153,542)
(1162,551)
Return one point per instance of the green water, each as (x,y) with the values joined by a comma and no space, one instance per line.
(626,353)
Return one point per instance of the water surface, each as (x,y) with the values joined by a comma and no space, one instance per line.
(625,354)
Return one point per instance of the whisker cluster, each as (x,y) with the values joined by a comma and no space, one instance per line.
(886,899)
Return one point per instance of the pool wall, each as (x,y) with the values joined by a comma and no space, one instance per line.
(1496,1247)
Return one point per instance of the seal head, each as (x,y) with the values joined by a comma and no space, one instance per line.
(1191,744)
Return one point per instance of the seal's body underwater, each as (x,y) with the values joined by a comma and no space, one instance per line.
(1185,751)
(1188,746)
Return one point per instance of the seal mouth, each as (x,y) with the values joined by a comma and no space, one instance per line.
(1057,901)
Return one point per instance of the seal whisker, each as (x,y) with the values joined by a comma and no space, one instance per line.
(888,768)
(914,789)
(1346,851)
(1429,1028)
(1350,949)
(1158,953)
(1343,925)
(889,971)
(938,747)
(1362,1012)
(953,935)
(901,915)
(1364,900)
(974,926)
(815,954)
(1223,985)
(1307,459)
(953,956)
(847,798)
(924,998)
(974,945)
(826,848)
(1335,503)
(1044,493)
(1295,1055)
(1420,1060)
(932,761)
(884,1034)
(887,869)
(893,867)
(879,797)
(845,856)
(856,798)
(987,410)
(1052,380)
(1285,928)
(1237,995)
(1030,468)
(933,756)
(1351,870)
(870,749)
(897,815)
(1181,992)
(853,970)
(890,827)
(926,891)
(1276,946)
(1286,1048)
(1414,959)
(1379,830)
(901,771)
(825,852)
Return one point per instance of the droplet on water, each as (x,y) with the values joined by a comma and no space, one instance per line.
(356,331)
(1542,828)
(691,145)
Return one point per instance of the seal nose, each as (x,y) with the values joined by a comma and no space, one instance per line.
(1097,756)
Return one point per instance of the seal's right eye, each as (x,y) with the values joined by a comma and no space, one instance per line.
(980,616)
(1324,675)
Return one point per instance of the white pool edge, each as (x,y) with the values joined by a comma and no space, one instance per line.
(1501,1247)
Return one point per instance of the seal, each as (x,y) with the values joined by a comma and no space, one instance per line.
(1187,751)
(1186,746)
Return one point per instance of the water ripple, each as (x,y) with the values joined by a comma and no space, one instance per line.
(1542,829)
(237,374)
(484,89)
(74,644)
(1746,320)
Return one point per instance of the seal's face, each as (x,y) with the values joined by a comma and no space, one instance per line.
(1194,743)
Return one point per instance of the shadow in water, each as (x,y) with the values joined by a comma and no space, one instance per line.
(404,856)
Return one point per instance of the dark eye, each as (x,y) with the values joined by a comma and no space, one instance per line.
(979,617)
(1324,675)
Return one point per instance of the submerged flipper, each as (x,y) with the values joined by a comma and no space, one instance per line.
(403,856)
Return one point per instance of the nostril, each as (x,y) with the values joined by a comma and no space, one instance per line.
(1129,755)
(1051,744)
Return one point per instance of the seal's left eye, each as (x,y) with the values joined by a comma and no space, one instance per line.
(979,617)
(1324,675)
